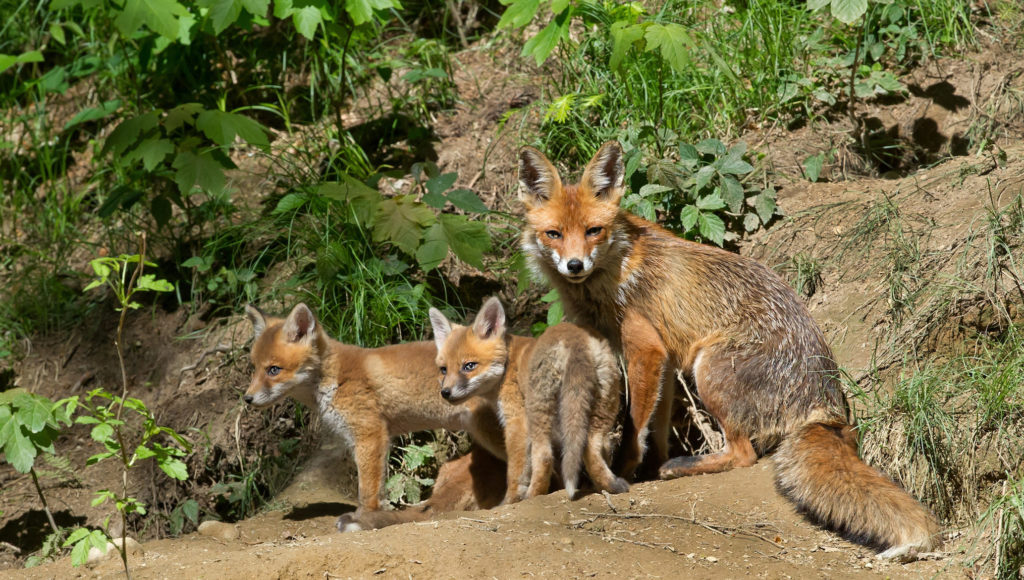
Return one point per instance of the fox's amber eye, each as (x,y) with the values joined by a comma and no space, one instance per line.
(273,370)
(596,230)
(553,234)
(468,367)
(444,371)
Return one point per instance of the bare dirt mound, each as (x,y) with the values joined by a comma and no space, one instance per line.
(725,525)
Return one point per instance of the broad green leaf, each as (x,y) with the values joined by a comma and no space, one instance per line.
(93,113)
(732,193)
(712,228)
(649,189)
(18,449)
(257,8)
(674,41)
(175,468)
(816,4)
(149,282)
(57,32)
(361,11)
(688,217)
(441,183)
(467,239)
(290,203)
(540,46)
(518,14)
(283,9)
(711,147)
(848,11)
(704,176)
(812,166)
(558,5)
(76,536)
(161,16)
(710,202)
(306,20)
(222,13)
(101,432)
(765,206)
(465,199)
(735,165)
(434,248)
(361,199)
(688,152)
(180,115)
(80,553)
(9,60)
(191,510)
(401,220)
(222,127)
(435,200)
(33,411)
(128,131)
(624,37)
(555,313)
(202,170)
(152,152)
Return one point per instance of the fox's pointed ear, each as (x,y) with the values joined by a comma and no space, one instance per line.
(257,318)
(490,321)
(605,173)
(538,178)
(442,328)
(300,326)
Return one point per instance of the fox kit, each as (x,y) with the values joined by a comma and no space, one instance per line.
(364,395)
(562,388)
(759,362)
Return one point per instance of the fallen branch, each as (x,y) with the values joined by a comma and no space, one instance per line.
(716,528)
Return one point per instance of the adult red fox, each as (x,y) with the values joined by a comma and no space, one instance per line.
(760,364)
(558,391)
(365,395)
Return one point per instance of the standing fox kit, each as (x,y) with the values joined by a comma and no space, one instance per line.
(364,395)
(759,362)
(560,390)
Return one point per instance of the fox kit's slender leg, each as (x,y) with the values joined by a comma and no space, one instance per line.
(646,358)
(542,456)
(371,450)
(717,396)
(486,431)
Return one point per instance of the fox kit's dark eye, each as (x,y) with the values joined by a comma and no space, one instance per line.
(273,370)
(468,367)
(594,231)
(444,371)
(553,234)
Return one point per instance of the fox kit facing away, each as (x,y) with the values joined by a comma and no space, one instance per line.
(759,362)
(364,395)
(562,388)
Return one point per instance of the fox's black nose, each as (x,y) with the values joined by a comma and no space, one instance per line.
(575,265)
(447,394)
(247,399)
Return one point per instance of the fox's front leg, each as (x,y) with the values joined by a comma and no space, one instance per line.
(646,358)
(516,446)
(371,450)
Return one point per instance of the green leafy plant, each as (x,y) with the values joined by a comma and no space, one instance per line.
(407,482)
(29,425)
(705,192)
(105,411)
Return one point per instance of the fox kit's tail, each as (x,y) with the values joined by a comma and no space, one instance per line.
(818,468)
(579,382)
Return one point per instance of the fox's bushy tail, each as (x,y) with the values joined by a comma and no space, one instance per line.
(576,406)
(817,467)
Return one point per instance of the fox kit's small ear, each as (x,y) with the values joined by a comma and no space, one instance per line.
(442,328)
(258,320)
(538,178)
(300,326)
(605,173)
(490,321)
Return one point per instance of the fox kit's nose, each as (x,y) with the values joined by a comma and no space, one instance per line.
(247,399)
(575,265)
(446,394)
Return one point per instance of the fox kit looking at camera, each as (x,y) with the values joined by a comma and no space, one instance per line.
(760,364)
(365,395)
(559,391)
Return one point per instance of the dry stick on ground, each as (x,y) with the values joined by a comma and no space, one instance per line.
(716,528)
(220,348)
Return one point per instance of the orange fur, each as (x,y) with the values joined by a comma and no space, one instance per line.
(364,395)
(759,362)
